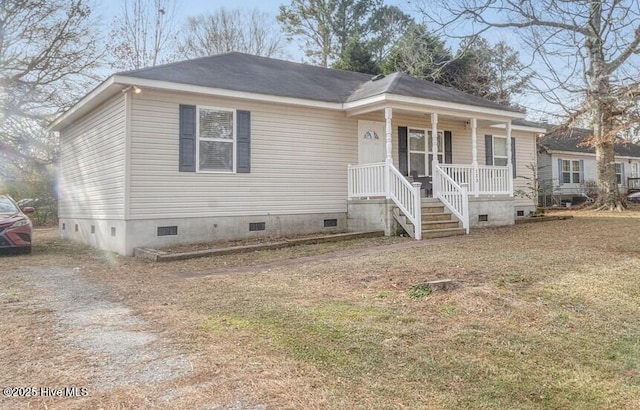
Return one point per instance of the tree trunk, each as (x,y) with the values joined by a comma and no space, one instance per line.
(608,196)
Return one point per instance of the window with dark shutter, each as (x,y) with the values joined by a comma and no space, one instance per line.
(209,137)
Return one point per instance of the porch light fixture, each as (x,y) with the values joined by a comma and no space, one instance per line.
(136,89)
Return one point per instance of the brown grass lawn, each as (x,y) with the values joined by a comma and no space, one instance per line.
(544,315)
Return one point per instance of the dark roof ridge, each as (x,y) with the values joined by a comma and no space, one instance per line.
(395,80)
(216,56)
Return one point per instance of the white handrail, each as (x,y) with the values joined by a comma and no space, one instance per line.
(406,196)
(382,179)
(453,195)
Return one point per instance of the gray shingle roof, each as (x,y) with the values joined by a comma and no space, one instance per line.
(406,85)
(573,141)
(249,73)
(526,123)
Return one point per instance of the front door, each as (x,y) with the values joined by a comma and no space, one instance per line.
(371,142)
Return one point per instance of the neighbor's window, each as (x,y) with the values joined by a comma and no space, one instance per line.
(618,173)
(500,151)
(570,171)
(216,140)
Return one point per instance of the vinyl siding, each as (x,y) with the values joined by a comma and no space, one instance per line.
(545,168)
(526,163)
(92,164)
(299,159)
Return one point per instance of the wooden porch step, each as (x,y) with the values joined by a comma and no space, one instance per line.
(430,226)
(442,233)
(430,201)
(436,216)
(432,209)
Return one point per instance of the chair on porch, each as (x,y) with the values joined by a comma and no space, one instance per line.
(425,181)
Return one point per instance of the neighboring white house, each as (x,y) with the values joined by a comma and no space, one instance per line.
(236,146)
(567,166)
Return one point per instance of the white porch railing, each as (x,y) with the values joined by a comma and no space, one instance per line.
(366,180)
(492,180)
(453,195)
(382,179)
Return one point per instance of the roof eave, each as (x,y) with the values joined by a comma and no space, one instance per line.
(538,130)
(429,105)
(88,102)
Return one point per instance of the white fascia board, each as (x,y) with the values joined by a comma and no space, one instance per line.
(587,154)
(58,123)
(575,153)
(521,128)
(437,106)
(220,92)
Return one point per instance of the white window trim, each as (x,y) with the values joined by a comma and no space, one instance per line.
(427,150)
(621,173)
(234,141)
(571,172)
(493,151)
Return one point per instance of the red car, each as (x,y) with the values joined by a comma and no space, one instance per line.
(15,226)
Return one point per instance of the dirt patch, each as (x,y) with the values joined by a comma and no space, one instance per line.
(124,349)
(324,257)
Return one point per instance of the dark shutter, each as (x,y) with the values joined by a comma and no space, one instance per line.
(560,182)
(448,150)
(582,171)
(243,120)
(513,156)
(187,148)
(622,175)
(403,151)
(488,149)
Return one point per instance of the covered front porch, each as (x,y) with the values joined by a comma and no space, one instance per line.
(447,168)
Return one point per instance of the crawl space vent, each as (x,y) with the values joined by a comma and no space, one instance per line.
(483,218)
(167,230)
(257,226)
(328,223)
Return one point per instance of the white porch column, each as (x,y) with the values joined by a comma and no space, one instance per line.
(388,114)
(434,153)
(509,164)
(474,157)
(434,134)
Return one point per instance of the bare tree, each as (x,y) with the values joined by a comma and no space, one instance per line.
(143,34)
(47,53)
(589,50)
(225,30)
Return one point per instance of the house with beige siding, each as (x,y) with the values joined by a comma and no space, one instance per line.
(567,168)
(237,146)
